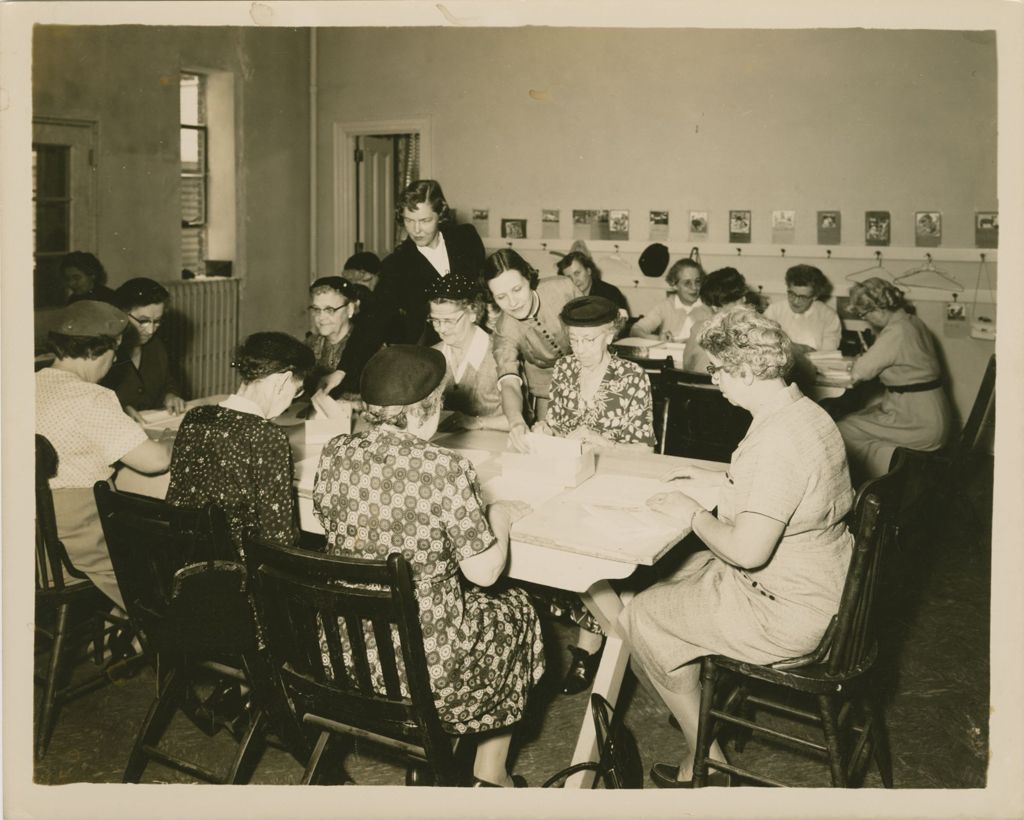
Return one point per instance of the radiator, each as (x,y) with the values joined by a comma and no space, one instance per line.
(201,331)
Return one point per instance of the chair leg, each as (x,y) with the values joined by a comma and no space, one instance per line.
(250,750)
(830,724)
(879,741)
(47,710)
(153,727)
(705,733)
(314,759)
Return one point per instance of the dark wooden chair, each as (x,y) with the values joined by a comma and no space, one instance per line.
(187,593)
(296,591)
(655,370)
(70,612)
(836,675)
(698,421)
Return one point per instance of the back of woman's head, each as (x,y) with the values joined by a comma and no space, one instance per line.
(423,190)
(723,287)
(877,294)
(271,352)
(672,277)
(87,264)
(740,335)
(140,292)
(507,259)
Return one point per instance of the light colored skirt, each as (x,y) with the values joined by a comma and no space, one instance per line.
(78,527)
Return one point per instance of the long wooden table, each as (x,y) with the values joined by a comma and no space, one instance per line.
(568,566)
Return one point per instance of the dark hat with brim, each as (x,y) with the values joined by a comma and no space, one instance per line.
(455,285)
(589,311)
(654,260)
(401,375)
(343,286)
(89,318)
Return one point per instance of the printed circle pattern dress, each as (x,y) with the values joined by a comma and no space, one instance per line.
(387,491)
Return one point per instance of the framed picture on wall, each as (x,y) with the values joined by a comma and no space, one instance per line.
(482,221)
(739,226)
(618,224)
(877,226)
(783,226)
(829,227)
(986,229)
(658,224)
(550,223)
(698,225)
(513,229)
(927,229)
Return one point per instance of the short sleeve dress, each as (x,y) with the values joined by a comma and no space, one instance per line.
(386,490)
(240,461)
(791,466)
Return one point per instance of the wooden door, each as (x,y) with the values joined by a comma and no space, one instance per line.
(375,194)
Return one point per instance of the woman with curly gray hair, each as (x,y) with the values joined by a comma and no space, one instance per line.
(777,549)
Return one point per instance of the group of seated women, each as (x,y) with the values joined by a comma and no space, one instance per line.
(412,336)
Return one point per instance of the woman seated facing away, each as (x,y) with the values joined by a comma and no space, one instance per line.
(231,454)
(674,319)
(90,432)
(914,411)
(528,335)
(141,375)
(471,378)
(603,401)
(586,276)
(85,278)
(720,289)
(808,321)
(778,550)
(391,490)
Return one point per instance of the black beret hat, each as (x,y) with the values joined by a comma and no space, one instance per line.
(89,318)
(654,260)
(589,311)
(364,260)
(401,375)
(455,285)
(343,286)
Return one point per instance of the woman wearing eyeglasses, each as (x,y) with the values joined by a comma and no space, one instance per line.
(808,321)
(141,375)
(777,549)
(233,455)
(471,377)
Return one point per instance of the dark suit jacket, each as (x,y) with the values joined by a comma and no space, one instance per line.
(406,277)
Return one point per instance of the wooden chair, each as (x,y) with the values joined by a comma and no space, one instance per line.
(698,421)
(187,594)
(295,592)
(70,611)
(656,370)
(837,674)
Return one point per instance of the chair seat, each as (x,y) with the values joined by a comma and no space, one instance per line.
(814,678)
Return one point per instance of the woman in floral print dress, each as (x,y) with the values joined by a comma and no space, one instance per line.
(391,490)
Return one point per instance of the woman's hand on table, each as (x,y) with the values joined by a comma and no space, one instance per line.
(328,408)
(175,405)
(543,427)
(692,471)
(517,437)
(591,437)
(675,505)
(503,514)
(330,381)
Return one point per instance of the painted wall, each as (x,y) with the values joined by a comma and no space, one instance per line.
(126,79)
(525,119)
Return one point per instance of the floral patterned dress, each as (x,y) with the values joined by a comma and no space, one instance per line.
(387,491)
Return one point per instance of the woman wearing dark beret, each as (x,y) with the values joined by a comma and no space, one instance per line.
(390,490)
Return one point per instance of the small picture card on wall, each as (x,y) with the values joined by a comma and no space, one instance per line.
(513,229)
(927,229)
(783,226)
(581,223)
(599,228)
(550,223)
(698,226)
(658,225)
(877,226)
(618,224)
(829,227)
(739,226)
(986,229)
(482,221)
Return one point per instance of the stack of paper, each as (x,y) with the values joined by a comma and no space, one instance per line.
(551,460)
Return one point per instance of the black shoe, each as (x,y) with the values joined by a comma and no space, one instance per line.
(581,672)
(663,775)
(518,782)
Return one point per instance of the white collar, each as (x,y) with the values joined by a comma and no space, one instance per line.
(241,405)
(475,353)
(680,305)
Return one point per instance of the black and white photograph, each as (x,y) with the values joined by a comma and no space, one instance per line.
(340,482)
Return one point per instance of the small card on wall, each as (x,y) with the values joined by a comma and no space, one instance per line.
(986,229)
(783,226)
(513,229)
(482,221)
(829,227)
(927,229)
(618,224)
(698,226)
(581,222)
(600,228)
(550,223)
(877,225)
(739,226)
(658,226)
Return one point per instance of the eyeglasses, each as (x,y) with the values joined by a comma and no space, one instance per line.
(581,340)
(800,297)
(330,311)
(714,368)
(448,321)
(145,321)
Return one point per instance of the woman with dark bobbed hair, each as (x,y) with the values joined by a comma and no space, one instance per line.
(233,455)
(914,412)
(807,320)
(85,277)
(141,375)
(777,551)
(722,288)
(433,248)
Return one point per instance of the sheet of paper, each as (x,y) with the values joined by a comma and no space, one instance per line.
(321,430)
(541,444)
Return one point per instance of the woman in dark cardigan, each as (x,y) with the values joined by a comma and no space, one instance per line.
(434,248)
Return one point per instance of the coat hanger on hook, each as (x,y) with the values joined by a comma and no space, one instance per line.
(929,268)
(878,269)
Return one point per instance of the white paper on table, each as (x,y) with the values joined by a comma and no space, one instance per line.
(541,444)
(321,430)
(824,355)
(160,420)
(305,472)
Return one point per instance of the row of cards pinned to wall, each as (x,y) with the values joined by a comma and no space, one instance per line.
(615,225)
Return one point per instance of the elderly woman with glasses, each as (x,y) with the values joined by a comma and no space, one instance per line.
(233,455)
(142,375)
(777,550)
(914,411)
(807,320)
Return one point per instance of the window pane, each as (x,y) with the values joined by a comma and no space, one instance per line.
(193,150)
(192,200)
(191,99)
(52,227)
(193,251)
(51,167)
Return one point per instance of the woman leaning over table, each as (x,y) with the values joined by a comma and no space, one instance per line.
(233,455)
(778,550)
(914,411)
(390,490)
(605,402)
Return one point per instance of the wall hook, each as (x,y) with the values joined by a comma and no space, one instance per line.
(928,258)
(739,251)
(616,247)
(509,244)
(783,253)
(828,253)
(878,258)
(543,246)
(982,257)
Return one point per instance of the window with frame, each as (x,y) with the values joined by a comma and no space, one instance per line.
(194,172)
(51,219)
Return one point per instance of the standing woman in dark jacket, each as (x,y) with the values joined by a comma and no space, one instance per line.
(434,248)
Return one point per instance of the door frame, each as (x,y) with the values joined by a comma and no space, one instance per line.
(344,146)
(83,235)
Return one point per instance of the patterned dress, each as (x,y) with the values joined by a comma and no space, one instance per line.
(240,461)
(387,491)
